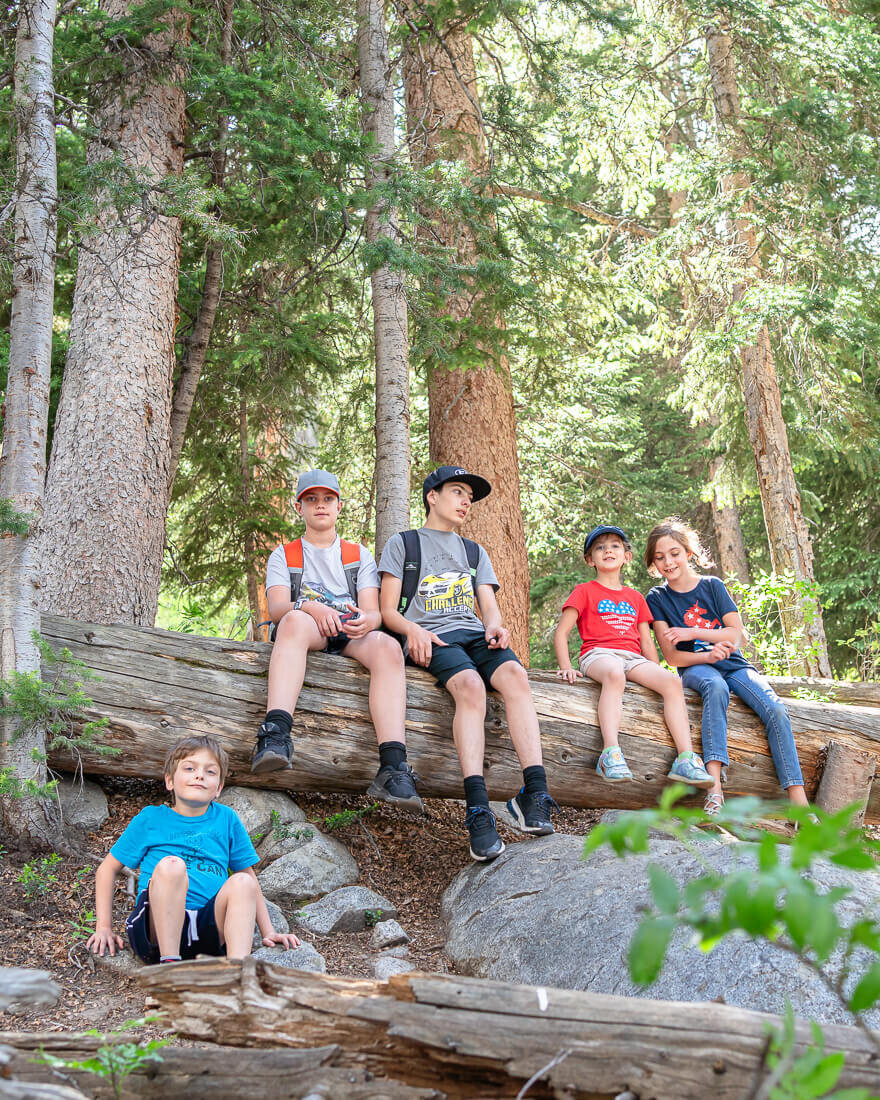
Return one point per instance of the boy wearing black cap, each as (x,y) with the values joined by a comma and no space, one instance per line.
(443,633)
(323,594)
(614,623)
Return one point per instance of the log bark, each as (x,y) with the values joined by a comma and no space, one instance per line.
(860,693)
(219,1072)
(159,686)
(390,315)
(471,416)
(789,538)
(847,778)
(472,1037)
(26,401)
(22,986)
(107,489)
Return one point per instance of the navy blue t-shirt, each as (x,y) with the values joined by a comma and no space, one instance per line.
(704,606)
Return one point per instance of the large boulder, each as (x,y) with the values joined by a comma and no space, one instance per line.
(542,915)
(316,867)
(83,803)
(347,910)
(304,957)
(262,812)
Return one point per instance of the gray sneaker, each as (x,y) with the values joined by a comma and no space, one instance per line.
(398,787)
(273,751)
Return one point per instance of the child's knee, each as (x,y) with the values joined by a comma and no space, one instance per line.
(716,691)
(385,649)
(468,690)
(295,627)
(511,679)
(169,869)
(241,885)
(613,678)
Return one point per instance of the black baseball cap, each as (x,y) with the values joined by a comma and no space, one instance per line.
(603,529)
(442,474)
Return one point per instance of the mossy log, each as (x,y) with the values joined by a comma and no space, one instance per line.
(157,686)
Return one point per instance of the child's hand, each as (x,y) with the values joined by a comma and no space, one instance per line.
(420,643)
(677,634)
(326,619)
(498,637)
(281,939)
(569,674)
(357,626)
(720,651)
(104,938)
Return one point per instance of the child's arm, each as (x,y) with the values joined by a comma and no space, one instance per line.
(420,642)
(732,632)
(560,644)
(497,636)
(369,616)
(646,640)
(270,936)
(680,658)
(104,937)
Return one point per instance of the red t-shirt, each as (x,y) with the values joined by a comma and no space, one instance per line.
(609,617)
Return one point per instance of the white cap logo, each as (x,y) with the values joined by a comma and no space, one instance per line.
(459,471)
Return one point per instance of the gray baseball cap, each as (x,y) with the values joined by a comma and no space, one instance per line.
(317,479)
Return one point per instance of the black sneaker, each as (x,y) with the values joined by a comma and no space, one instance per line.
(397,786)
(532,812)
(486,844)
(273,751)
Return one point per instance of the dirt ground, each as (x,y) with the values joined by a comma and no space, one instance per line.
(409,860)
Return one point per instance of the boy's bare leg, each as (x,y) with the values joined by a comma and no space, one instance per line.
(668,685)
(512,684)
(235,912)
(382,656)
(468,725)
(608,672)
(167,892)
(297,634)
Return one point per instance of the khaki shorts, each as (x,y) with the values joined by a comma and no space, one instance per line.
(628,659)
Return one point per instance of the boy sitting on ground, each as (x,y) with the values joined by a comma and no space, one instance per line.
(323,594)
(442,632)
(188,903)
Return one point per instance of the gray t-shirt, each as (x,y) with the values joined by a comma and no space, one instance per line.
(444,598)
(323,577)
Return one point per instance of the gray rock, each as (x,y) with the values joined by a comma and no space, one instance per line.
(400,952)
(83,804)
(279,923)
(319,865)
(123,962)
(344,910)
(387,933)
(286,838)
(255,808)
(386,965)
(541,915)
(304,957)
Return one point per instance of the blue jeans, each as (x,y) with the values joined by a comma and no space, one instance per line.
(715,688)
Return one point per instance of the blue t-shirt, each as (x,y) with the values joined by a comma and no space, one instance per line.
(704,606)
(210,845)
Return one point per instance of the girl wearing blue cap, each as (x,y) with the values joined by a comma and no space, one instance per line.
(614,623)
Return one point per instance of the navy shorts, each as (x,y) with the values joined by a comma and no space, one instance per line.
(465,649)
(337,643)
(199,935)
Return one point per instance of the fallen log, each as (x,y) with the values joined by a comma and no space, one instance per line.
(184,1073)
(21,986)
(158,686)
(859,693)
(470,1037)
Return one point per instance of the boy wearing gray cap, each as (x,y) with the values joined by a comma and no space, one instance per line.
(323,594)
(431,581)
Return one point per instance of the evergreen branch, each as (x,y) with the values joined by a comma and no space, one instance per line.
(585,209)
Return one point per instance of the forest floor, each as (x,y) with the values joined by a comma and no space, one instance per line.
(409,860)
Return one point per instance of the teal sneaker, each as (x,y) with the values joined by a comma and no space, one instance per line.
(612,766)
(688,768)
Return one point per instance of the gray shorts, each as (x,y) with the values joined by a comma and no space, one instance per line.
(627,658)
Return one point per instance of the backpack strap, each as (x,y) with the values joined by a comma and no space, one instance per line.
(412,566)
(293,555)
(472,549)
(351,564)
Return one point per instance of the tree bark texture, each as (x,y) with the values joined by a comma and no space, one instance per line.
(26,414)
(790,546)
(847,778)
(107,489)
(158,686)
(390,318)
(733,559)
(200,336)
(472,1037)
(472,422)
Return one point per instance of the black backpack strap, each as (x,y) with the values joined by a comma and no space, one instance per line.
(472,549)
(412,566)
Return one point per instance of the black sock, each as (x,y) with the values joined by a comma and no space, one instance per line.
(535,779)
(475,793)
(392,754)
(281,718)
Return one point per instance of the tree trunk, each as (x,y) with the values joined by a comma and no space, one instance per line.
(471,416)
(26,413)
(733,560)
(107,490)
(790,547)
(199,338)
(390,328)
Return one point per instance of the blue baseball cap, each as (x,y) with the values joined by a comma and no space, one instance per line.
(442,474)
(603,529)
(317,479)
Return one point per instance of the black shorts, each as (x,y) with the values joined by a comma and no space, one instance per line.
(199,935)
(465,649)
(337,643)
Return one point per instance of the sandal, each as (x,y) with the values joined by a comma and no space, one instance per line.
(713,804)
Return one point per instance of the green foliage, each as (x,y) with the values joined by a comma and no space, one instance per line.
(763,604)
(372,917)
(346,818)
(13,522)
(114,1060)
(38,877)
(83,926)
(286,830)
(812,1073)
